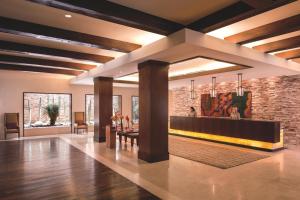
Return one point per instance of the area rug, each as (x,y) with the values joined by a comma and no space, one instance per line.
(211,154)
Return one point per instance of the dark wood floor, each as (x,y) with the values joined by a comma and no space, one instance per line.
(53,169)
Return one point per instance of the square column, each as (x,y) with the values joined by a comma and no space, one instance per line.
(103,92)
(153,111)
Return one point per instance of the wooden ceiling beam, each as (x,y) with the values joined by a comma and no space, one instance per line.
(234,13)
(14,67)
(115,13)
(18,27)
(279,45)
(292,54)
(25,48)
(267,31)
(45,62)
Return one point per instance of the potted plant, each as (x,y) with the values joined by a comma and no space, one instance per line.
(53,112)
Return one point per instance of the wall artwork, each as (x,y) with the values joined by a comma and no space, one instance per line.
(221,105)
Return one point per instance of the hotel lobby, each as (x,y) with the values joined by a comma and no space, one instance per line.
(119,99)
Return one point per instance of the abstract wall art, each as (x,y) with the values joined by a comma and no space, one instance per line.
(221,105)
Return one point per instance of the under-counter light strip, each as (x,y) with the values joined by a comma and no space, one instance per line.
(231,140)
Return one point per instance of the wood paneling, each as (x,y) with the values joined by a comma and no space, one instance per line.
(25,48)
(52,169)
(280,45)
(38,31)
(235,13)
(36,61)
(289,54)
(26,68)
(153,111)
(280,27)
(103,92)
(265,131)
(116,13)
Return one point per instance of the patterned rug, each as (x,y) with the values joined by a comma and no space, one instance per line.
(211,154)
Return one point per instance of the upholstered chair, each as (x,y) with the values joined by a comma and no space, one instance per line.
(80,122)
(11,124)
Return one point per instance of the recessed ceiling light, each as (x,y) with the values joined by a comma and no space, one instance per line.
(68,16)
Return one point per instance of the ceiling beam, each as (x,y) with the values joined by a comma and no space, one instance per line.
(193,75)
(289,54)
(279,45)
(126,82)
(115,13)
(208,58)
(18,27)
(25,48)
(266,31)
(45,62)
(204,73)
(13,67)
(234,13)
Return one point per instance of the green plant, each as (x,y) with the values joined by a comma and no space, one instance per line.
(53,112)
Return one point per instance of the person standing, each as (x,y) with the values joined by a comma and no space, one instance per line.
(193,112)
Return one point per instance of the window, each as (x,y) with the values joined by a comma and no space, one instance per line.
(117,104)
(35,114)
(135,109)
(89,106)
(89,109)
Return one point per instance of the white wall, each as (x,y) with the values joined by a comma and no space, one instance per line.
(13,84)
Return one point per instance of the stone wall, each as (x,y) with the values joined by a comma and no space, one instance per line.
(275,98)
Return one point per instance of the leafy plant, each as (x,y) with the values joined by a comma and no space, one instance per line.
(53,112)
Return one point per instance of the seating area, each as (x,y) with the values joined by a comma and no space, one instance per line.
(131,134)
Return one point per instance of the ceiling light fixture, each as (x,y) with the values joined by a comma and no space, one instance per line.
(240,89)
(68,16)
(213,91)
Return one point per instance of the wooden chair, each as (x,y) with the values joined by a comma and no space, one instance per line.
(11,124)
(80,122)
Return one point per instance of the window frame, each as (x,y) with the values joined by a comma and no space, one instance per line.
(121,104)
(132,106)
(85,101)
(71,107)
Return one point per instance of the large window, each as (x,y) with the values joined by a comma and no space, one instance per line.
(135,109)
(89,106)
(35,104)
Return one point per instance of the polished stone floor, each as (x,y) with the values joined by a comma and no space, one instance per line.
(276,177)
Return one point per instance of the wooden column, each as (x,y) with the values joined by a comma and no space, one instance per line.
(103,91)
(153,111)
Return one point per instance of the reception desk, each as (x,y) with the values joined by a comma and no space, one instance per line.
(260,134)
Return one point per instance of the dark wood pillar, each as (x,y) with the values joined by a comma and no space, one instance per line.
(103,92)
(153,111)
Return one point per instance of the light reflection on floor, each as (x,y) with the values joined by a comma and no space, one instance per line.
(276,177)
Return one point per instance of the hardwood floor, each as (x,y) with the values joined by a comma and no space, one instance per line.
(52,169)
